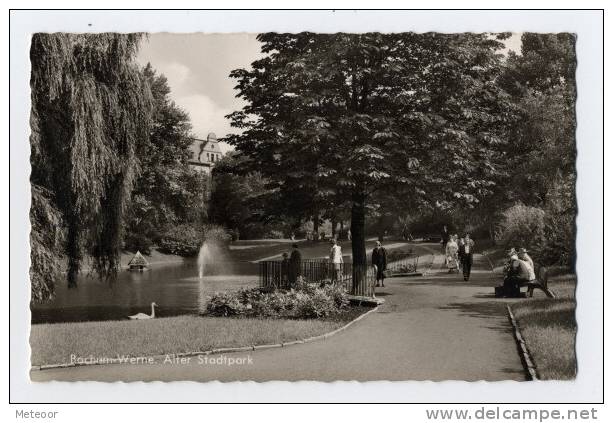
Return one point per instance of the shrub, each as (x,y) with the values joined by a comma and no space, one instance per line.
(225,304)
(183,240)
(317,304)
(558,246)
(339,295)
(234,234)
(138,241)
(307,302)
(275,304)
(216,234)
(274,234)
(521,226)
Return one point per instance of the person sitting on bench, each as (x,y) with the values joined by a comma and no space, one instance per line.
(518,274)
(522,254)
(533,282)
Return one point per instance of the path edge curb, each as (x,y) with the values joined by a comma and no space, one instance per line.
(218,350)
(526,358)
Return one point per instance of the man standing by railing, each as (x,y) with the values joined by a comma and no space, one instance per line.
(336,260)
(295,264)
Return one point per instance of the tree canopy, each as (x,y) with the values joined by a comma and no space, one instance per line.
(236,197)
(346,115)
(91,106)
(542,80)
(167,191)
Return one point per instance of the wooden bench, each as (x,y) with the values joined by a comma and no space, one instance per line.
(540,282)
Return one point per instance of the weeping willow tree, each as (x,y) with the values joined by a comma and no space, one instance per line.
(91,106)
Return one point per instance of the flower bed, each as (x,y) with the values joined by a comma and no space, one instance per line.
(305,302)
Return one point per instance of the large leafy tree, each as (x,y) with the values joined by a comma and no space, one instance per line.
(542,79)
(167,191)
(347,116)
(238,198)
(542,148)
(91,107)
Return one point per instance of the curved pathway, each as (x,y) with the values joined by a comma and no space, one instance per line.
(436,327)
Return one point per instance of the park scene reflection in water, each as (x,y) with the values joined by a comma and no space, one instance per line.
(176,287)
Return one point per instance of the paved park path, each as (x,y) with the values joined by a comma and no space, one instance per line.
(435,327)
(321,250)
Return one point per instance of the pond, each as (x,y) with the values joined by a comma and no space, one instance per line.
(176,288)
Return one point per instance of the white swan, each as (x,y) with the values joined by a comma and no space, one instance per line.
(143,316)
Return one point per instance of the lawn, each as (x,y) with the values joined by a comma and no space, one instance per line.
(54,343)
(549,329)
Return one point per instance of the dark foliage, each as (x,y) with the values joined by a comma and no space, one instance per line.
(91,107)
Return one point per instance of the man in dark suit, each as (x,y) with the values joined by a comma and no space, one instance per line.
(444,237)
(295,260)
(466,254)
(379,259)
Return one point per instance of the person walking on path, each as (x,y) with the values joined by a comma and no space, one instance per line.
(295,260)
(379,260)
(461,251)
(466,252)
(451,252)
(444,237)
(284,269)
(336,259)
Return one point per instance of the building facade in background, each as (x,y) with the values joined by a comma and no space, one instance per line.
(205,153)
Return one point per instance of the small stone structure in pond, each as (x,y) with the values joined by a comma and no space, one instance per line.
(138,263)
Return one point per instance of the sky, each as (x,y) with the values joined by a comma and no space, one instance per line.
(197,67)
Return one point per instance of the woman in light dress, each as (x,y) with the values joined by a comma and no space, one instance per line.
(451,253)
(336,259)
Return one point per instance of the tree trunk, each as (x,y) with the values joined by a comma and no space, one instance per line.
(333,223)
(73,252)
(316,226)
(380,231)
(358,238)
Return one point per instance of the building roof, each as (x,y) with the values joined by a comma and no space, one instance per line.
(199,148)
(138,260)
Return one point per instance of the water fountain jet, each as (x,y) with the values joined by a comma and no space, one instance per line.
(204,257)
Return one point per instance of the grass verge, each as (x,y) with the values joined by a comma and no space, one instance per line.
(549,328)
(55,343)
